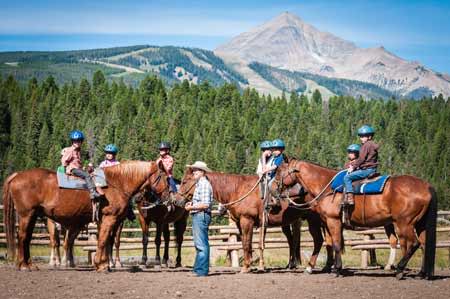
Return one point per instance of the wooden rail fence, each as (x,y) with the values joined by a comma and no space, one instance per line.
(225,239)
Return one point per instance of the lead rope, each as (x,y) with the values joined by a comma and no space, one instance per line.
(309,203)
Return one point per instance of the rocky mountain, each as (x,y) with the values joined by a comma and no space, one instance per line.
(286,42)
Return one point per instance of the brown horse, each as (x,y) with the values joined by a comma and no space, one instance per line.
(162,217)
(248,211)
(35,193)
(407,202)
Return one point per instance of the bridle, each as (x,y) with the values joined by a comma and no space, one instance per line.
(183,194)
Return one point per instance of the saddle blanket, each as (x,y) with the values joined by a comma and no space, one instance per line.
(73,182)
(374,186)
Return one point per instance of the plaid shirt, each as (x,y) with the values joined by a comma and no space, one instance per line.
(203,194)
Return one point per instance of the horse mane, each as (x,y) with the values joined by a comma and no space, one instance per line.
(129,170)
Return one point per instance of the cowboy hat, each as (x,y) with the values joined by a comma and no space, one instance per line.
(200,165)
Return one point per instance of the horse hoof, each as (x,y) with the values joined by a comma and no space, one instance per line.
(245,270)
(400,275)
(308,270)
(389,267)
(178,265)
(157,267)
(103,268)
(261,269)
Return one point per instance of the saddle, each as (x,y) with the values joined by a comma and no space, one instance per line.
(67,181)
(373,184)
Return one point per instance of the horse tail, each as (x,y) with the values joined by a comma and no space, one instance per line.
(430,236)
(9,218)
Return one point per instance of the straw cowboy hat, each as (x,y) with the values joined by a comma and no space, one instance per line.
(200,165)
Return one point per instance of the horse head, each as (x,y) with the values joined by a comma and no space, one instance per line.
(187,186)
(156,184)
(285,177)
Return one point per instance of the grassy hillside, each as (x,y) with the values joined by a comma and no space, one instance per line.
(289,81)
(130,64)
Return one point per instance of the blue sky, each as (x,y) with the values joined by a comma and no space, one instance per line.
(415,30)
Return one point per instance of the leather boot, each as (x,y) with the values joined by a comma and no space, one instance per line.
(93,194)
(350,201)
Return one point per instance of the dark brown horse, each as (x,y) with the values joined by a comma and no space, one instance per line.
(248,211)
(162,217)
(35,193)
(408,202)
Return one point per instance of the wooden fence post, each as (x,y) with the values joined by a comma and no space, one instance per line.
(232,239)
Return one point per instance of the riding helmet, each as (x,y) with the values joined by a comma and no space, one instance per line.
(353,148)
(76,135)
(366,131)
(266,144)
(278,143)
(111,149)
(164,145)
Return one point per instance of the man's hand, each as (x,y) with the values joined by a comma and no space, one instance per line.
(188,206)
(351,168)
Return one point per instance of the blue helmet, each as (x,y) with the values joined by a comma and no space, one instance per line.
(111,148)
(278,143)
(366,130)
(353,148)
(266,144)
(76,135)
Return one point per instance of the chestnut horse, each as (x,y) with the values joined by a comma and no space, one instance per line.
(248,211)
(35,193)
(408,202)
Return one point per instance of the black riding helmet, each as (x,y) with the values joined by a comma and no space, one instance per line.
(164,145)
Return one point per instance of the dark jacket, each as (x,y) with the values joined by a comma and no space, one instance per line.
(368,156)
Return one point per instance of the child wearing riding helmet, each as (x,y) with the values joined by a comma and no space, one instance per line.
(352,155)
(365,165)
(111,151)
(167,161)
(266,153)
(71,160)
(277,148)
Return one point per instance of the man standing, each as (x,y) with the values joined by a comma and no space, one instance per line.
(200,209)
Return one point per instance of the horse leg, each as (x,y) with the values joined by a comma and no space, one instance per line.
(104,233)
(26,227)
(314,227)
(72,234)
(158,245)
(144,228)
(262,237)
(297,234)
(166,234)
(180,228)
(54,243)
(117,262)
(335,229)
(246,225)
(409,244)
(287,232)
(390,232)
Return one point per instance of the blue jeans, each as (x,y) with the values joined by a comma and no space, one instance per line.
(200,224)
(356,175)
(173,185)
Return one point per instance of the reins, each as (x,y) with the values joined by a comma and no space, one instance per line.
(308,205)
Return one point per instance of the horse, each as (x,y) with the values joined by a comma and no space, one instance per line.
(162,217)
(247,212)
(407,202)
(35,193)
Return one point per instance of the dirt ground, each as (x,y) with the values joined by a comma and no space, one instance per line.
(222,283)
